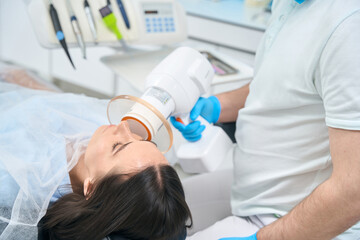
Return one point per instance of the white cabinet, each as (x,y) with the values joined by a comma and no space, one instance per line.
(89,73)
(224,34)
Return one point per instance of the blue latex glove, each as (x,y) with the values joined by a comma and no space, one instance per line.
(208,108)
(191,132)
(252,237)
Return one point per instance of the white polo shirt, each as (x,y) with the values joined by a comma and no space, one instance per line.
(307,78)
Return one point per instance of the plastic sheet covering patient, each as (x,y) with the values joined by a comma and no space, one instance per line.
(44,145)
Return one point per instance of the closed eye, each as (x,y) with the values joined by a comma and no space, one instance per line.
(126,144)
(122,147)
(115,145)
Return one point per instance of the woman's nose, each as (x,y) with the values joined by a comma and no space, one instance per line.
(123,127)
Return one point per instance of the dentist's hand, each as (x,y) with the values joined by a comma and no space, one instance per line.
(209,108)
(191,132)
(252,237)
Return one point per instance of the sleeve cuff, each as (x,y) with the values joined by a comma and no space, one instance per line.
(343,124)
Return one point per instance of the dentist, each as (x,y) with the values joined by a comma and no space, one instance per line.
(297,161)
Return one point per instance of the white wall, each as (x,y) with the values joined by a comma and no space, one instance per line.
(0,32)
(18,42)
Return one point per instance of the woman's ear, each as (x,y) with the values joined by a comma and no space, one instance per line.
(87,187)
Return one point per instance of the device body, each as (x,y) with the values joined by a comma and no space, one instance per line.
(173,87)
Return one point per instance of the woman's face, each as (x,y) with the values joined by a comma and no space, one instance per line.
(116,148)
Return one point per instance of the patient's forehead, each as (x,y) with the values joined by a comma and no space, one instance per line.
(140,154)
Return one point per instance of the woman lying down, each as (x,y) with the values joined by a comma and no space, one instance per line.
(55,175)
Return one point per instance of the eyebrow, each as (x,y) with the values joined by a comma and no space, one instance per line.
(126,144)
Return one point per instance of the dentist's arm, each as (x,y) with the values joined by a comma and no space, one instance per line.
(231,102)
(332,207)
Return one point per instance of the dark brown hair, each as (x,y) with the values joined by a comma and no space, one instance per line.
(147,205)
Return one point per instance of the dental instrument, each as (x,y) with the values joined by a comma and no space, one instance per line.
(108,3)
(110,21)
(172,89)
(90,18)
(58,30)
(76,28)
(123,13)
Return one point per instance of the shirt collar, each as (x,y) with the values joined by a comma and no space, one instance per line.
(300,1)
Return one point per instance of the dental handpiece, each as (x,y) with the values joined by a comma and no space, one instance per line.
(110,21)
(76,28)
(59,32)
(90,18)
(108,3)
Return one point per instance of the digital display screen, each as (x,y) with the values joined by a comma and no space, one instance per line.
(157,8)
(151,12)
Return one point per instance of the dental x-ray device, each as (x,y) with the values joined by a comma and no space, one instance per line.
(172,89)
